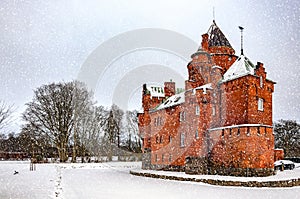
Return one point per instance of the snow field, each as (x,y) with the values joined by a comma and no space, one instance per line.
(112,180)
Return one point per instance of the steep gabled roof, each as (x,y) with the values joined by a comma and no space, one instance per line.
(241,67)
(216,36)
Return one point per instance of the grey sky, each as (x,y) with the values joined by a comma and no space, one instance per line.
(46,41)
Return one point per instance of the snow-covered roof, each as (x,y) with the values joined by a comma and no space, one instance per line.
(172,101)
(241,67)
(216,66)
(156,91)
(204,87)
(180,97)
(280,162)
(239,125)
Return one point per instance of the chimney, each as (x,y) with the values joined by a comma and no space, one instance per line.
(146,99)
(204,42)
(169,88)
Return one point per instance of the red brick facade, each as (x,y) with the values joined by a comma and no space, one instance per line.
(220,124)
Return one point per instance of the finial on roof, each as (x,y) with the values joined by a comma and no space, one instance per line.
(213,13)
(241,28)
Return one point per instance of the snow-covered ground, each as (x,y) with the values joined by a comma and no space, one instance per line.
(112,180)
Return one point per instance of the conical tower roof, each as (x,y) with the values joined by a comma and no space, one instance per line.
(216,36)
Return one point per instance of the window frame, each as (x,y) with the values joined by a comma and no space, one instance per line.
(197,134)
(260,104)
(197,110)
(182,139)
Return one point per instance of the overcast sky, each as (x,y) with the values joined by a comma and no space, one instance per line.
(49,41)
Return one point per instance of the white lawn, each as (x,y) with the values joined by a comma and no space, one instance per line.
(112,180)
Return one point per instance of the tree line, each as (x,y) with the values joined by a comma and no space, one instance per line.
(62,119)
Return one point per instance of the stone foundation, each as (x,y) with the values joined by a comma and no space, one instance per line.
(241,172)
(202,166)
(282,183)
(196,165)
(146,160)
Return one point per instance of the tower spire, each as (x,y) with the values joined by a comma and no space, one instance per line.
(241,28)
(213,13)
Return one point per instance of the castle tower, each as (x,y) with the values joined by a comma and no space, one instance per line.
(215,43)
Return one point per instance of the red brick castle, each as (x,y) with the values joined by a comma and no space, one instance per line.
(220,124)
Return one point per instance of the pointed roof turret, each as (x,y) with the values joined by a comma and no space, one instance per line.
(216,36)
(241,67)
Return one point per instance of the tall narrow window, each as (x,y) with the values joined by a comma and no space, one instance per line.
(260,104)
(214,110)
(182,116)
(197,110)
(161,121)
(261,83)
(197,134)
(182,139)
(170,138)
(162,157)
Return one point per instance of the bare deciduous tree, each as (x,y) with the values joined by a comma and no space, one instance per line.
(90,131)
(112,127)
(5,113)
(55,112)
(287,137)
